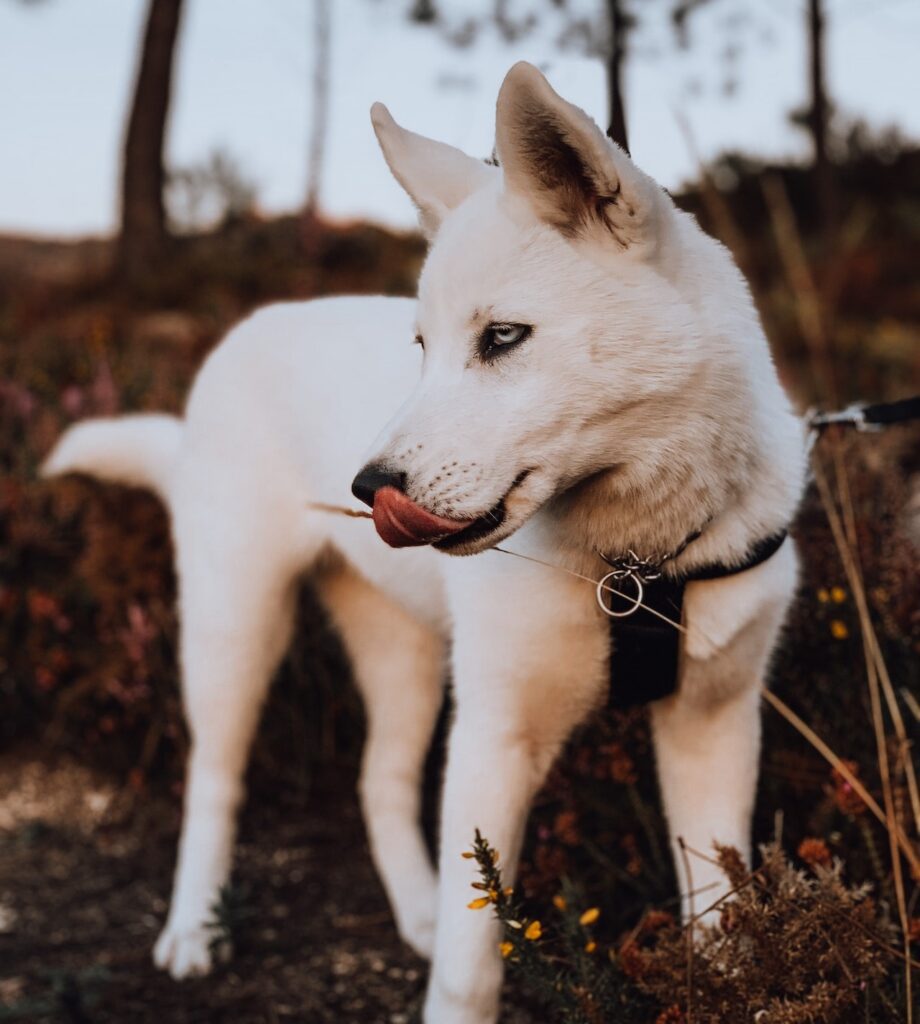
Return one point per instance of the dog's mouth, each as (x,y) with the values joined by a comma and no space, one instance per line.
(486,524)
(402,523)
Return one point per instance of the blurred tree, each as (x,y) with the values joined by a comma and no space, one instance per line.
(815,115)
(818,117)
(620,23)
(423,12)
(317,145)
(143,218)
(212,194)
(603,32)
(739,22)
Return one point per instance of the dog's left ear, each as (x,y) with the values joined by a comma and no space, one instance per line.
(574,178)
(436,176)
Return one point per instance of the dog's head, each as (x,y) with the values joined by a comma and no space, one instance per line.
(548,309)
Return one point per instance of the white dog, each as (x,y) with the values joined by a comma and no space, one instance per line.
(590,376)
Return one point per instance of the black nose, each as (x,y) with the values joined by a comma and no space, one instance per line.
(374,476)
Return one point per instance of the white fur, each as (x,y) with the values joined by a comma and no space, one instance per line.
(645,406)
(142,451)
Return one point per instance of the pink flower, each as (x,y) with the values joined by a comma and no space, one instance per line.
(72,400)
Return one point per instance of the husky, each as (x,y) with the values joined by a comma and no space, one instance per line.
(583,373)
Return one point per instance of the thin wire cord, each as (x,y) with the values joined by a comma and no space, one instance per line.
(321,506)
(779,705)
(598,584)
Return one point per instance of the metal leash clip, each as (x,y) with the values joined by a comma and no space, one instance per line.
(637,571)
(853,415)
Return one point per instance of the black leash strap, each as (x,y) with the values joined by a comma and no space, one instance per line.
(893,412)
(868,417)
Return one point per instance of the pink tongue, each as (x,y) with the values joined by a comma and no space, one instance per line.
(402,523)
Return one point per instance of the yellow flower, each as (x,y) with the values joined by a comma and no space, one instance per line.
(479,903)
(589,916)
(506,949)
(590,946)
(509,890)
(838,595)
(559,902)
(839,630)
(823,596)
(534,931)
(467,855)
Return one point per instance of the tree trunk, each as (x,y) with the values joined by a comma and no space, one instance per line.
(317,146)
(818,116)
(619,24)
(143,219)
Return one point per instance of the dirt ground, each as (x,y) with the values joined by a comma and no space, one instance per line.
(84,879)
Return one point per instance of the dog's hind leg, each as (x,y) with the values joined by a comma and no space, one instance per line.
(398,667)
(237,601)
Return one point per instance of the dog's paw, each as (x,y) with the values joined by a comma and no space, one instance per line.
(188,952)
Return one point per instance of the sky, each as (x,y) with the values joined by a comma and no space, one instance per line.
(243,84)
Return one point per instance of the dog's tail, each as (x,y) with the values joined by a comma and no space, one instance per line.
(140,450)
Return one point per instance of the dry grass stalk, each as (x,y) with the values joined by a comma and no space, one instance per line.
(849,555)
(782,953)
(353,513)
(849,558)
(808,306)
(841,766)
(689,929)
(718,209)
(812,319)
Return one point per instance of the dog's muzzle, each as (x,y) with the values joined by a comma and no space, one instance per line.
(398,519)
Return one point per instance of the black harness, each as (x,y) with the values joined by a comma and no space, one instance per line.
(645,646)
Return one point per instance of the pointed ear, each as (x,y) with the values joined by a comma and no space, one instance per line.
(574,178)
(436,176)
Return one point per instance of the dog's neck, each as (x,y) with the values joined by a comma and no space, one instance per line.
(600,515)
(654,500)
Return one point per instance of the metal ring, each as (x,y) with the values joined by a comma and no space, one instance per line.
(602,586)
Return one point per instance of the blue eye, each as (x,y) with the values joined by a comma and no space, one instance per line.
(497,337)
(508,334)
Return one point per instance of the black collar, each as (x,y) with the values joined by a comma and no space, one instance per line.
(761,551)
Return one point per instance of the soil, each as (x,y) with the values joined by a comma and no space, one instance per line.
(85,873)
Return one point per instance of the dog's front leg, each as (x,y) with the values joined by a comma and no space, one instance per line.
(707,769)
(525,673)
(707,736)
